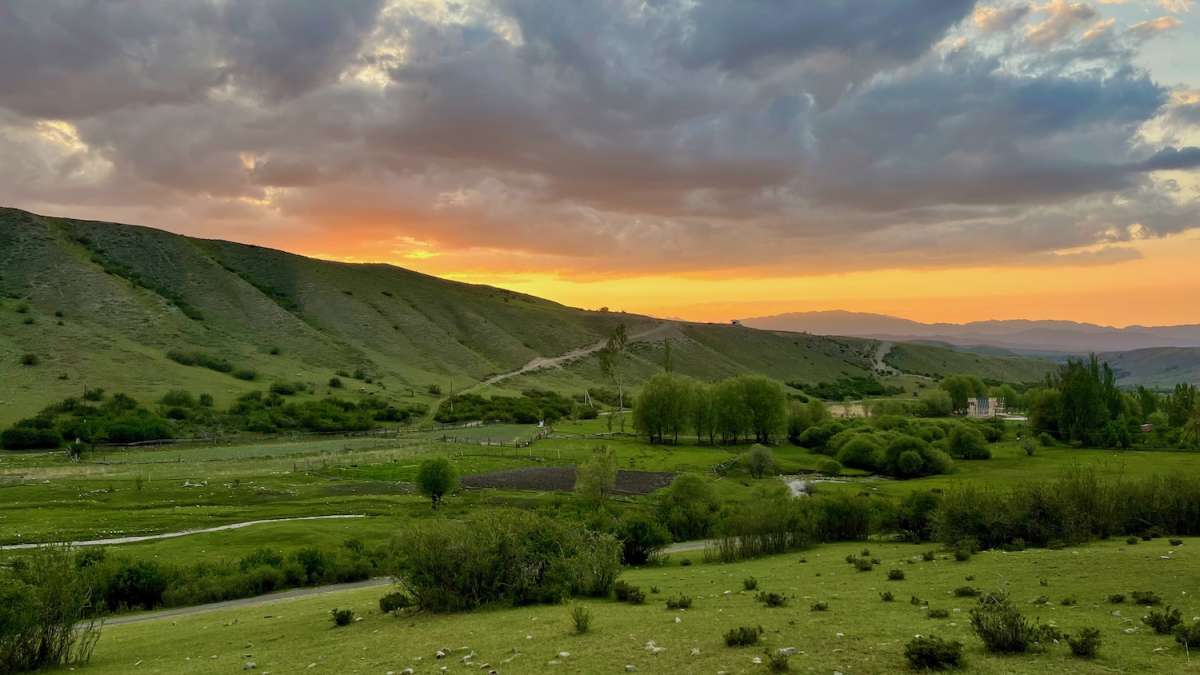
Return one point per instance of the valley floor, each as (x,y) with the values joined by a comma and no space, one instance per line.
(858,634)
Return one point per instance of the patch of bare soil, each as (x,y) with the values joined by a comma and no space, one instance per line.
(562,478)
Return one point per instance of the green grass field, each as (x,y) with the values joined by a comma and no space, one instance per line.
(858,634)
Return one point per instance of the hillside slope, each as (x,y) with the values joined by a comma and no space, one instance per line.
(102,304)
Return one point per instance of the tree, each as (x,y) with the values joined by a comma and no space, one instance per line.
(760,461)
(803,416)
(641,537)
(936,403)
(1008,396)
(732,417)
(766,404)
(967,442)
(702,408)
(610,365)
(596,479)
(436,478)
(961,388)
(689,507)
(662,408)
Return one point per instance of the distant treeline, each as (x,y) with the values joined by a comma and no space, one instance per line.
(847,387)
(534,405)
(99,418)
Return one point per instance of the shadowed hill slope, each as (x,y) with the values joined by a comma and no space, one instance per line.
(102,305)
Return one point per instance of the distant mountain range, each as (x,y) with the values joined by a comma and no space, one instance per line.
(1151,355)
(1018,335)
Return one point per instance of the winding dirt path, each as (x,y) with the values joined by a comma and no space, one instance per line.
(544,362)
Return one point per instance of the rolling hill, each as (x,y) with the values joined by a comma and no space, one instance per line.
(108,305)
(1017,334)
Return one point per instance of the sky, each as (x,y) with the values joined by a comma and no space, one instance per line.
(941,160)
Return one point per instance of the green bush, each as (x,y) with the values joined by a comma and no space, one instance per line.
(929,652)
(967,592)
(30,360)
(341,617)
(819,606)
(895,575)
(1003,629)
(502,556)
(679,602)
(1146,598)
(46,613)
(861,452)
(771,599)
(581,619)
(641,538)
(777,661)
(743,636)
(1116,598)
(1085,644)
(28,437)
(750,584)
(1163,621)
(967,442)
(887,596)
(829,467)
(938,613)
(394,602)
(1188,636)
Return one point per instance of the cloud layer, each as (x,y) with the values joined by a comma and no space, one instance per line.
(605,135)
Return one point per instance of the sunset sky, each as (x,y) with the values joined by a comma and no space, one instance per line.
(941,160)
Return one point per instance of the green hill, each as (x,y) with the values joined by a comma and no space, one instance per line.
(102,305)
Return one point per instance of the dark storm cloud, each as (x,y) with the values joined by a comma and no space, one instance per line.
(706,133)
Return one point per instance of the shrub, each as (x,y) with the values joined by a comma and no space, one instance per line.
(750,584)
(1003,629)
(1046,440)
(895,575)
(1029,446)
(929,556)
(743,636)
(829,467)
(962,554)
(581,619)
(938,613)
(394,602)
(1146,598)
(686,562)
(861,452)
(1116,598)
(46,613)
(1163,621)
(1085,643)
(24,437)
(1176,542)
(771,599)
(966,592)
(502,556)
(1131,541)
(819,606)
(641,537)
(1187,636)
(863,565)
(679,602)
(887,596)
(760,461)
(247,374)
(335,383)
(341,617)
(30,359)
(967,442)
(777,661)
(1069,601)
(689,507)
(929,652)
(628,593)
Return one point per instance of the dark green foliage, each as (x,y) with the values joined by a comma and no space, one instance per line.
(771,599)
(743,636)
(1146,598)
(938,613)
(341,617)
(46,613)
(1085,644)
(887,596)
(861,452)
(581,619)
(679,602)
(750,584)
(686,562)
(929,652)
(532,406)
(776,662)
(625,592)
(829,467)
(1176,542)
(929,556)
(962,554)
(967,592)
(689,507)
(394,602)
(30,435)
(1132,541)
(200,360)
(642,537)
(30,360)
(849,387)
(967,442)
(246,374)
(502,556)
(1163,621)
(436,478)
(1004,630)
(895,575)
(335,383)
(759,461)
(1188,636)
(819,606)
(1117,598)
(287,388)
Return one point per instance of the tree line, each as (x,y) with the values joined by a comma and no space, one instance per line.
(742,408)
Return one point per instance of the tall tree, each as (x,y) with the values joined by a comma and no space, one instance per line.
(611,366)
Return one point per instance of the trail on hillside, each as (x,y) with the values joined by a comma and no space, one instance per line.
(880,365)
(172,535)
(544,362)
